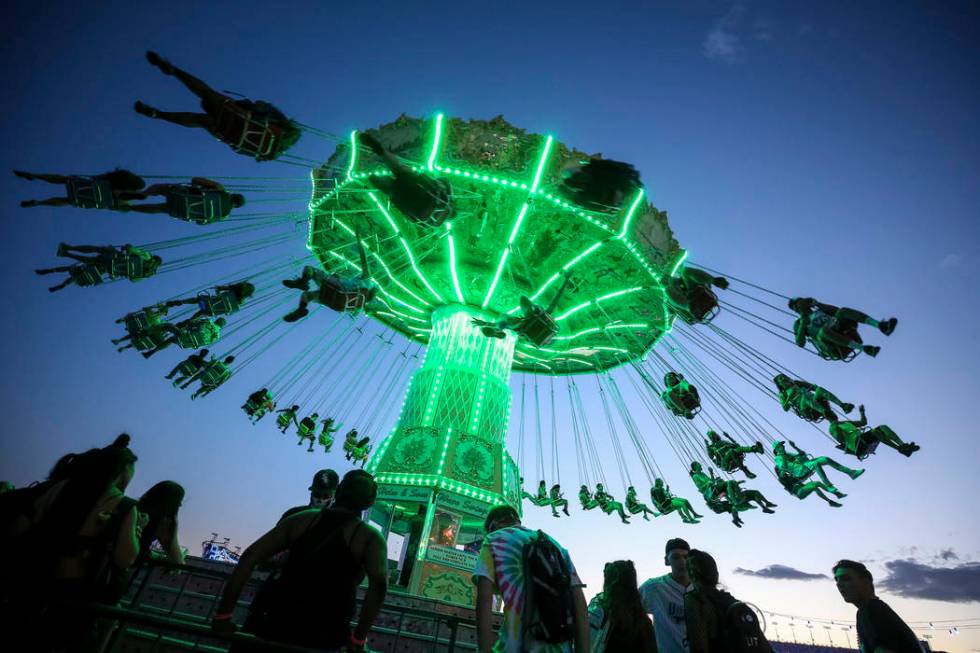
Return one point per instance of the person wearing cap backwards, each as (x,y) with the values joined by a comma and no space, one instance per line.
(663,597)
(322,489)
(312,602)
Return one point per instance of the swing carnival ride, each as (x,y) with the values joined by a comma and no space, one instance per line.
(454,254)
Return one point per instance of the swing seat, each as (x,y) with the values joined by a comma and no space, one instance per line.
(283,420)
(540,501)
(701,306)
(89,193)
(199,335)
(224,303)
(864,447)
(682,404)
(201,206)
(248,131)
(425,200)
(728,460)
(85,274)
(149,340)
(215,376)
(142,320)
(128,266)
(540,328)
(336,295)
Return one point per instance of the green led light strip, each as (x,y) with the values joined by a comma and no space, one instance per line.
(677,265)
(452,264)
(629,214)
(578,308)
(555,276)
(353,154)
(436,141)
(633,325)
(542,160)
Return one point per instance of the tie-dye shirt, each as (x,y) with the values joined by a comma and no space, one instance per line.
(501,561)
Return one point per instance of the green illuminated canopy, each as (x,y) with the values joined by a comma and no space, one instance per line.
(513,235)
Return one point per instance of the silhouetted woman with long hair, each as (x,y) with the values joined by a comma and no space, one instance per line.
(617,617)
(160,505)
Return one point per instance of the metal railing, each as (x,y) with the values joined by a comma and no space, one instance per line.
(172,599)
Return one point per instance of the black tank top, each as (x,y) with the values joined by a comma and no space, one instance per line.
(318,585)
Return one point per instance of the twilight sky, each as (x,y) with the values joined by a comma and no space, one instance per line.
(829,152)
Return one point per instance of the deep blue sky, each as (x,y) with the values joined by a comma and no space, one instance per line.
(829,151)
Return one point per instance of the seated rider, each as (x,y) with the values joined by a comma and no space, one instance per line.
(534,324)
(636,507)
(728,454)
(189,334)
(854,437)
(794,469)
(256,129)
(258,404)
(666,503)
(834,330)
(558,500)
(601,184)
(307,430)
(680,396)
(339,293)
(326,434)
(110,190)
(808,400)
(727,496)
(353,445)
(420,197)
(608,504)
(212,375)
(144,328)
(287,416)
(126,262)
(188,367)
(588,503)
(689,294)
(202,201)
(227,299)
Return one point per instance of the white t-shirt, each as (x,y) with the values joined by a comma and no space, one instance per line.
(663,597)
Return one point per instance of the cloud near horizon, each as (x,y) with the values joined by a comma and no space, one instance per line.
(916,580)
(781,572)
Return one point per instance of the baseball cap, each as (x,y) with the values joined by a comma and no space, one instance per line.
(324,481)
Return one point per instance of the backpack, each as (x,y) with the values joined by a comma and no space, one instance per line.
(549,615)
(740,630)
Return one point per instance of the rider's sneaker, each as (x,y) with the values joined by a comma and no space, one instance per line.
(834,504)
(871,350)
(24,175)
(144,109)
(757,448)
(847,408)
(888,326)
(62,249)
(908,449)
(26,204)
(768,510)
(299,313)
(748,474)
(856,473)
(296,284)
(155,59)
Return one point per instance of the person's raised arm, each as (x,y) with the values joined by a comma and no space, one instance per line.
(376,568)
(484,617)
(276,540)
(127,540)
(172,543)
(799,330)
